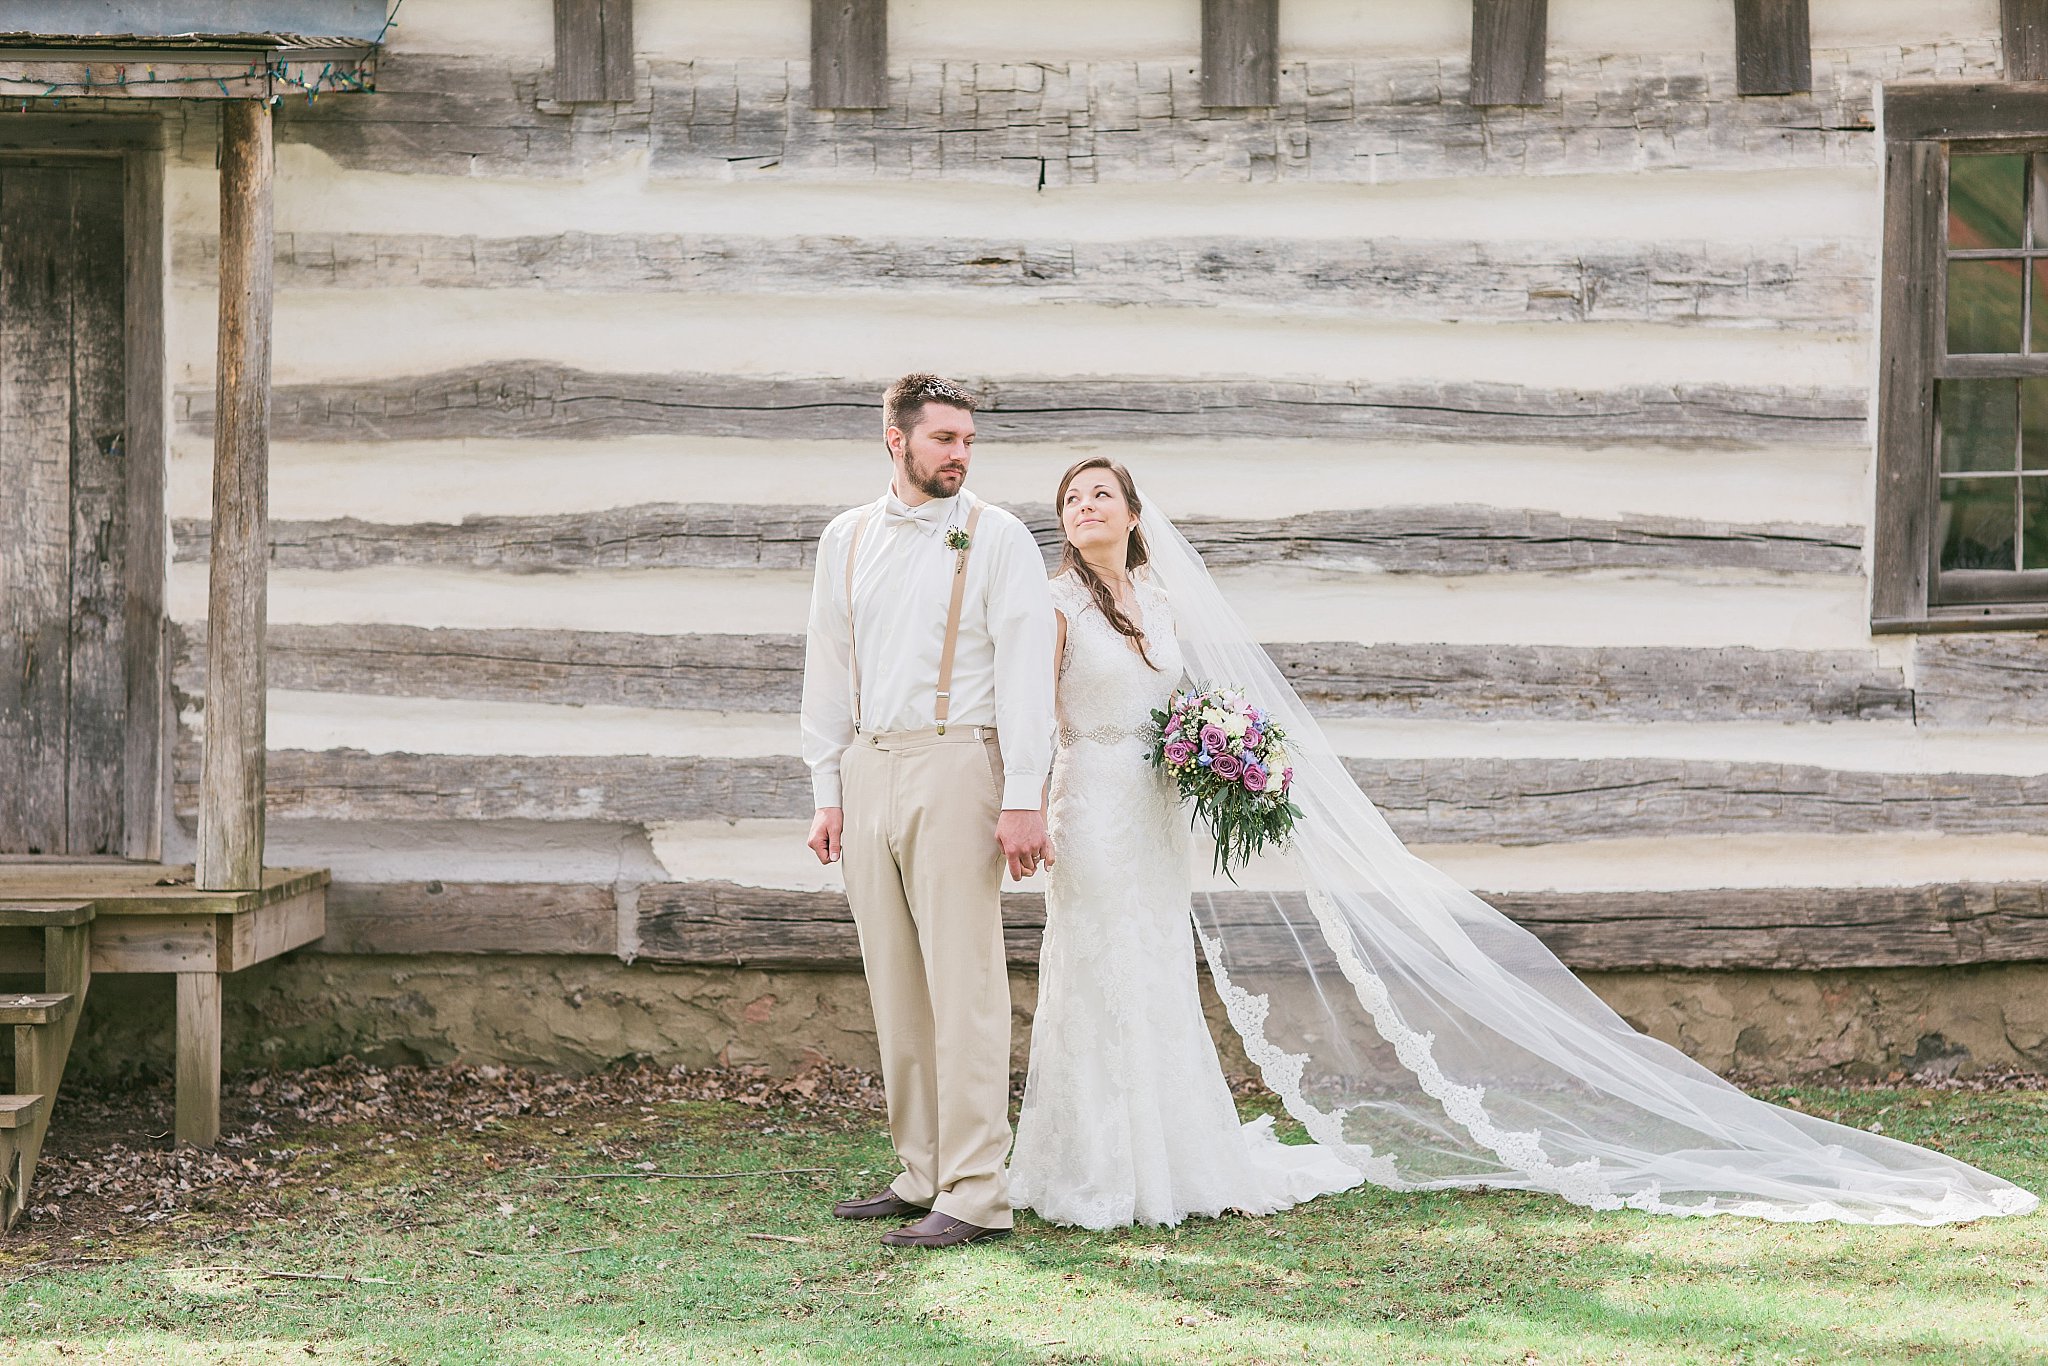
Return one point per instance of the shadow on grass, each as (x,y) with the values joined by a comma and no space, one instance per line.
(494,1263)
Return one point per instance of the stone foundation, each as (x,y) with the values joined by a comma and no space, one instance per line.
(578,1014)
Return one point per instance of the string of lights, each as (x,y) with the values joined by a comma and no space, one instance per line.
(271,72)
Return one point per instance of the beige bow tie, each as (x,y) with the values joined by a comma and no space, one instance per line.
(929,518)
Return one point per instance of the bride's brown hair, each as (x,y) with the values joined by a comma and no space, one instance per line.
(1135,556)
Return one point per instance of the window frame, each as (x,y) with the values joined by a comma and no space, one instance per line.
(1923,122)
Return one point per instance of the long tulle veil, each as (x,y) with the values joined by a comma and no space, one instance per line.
(1432,1042)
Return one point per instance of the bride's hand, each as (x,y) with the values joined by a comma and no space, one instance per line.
(1025,845)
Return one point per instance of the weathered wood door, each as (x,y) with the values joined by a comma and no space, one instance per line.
(63,508)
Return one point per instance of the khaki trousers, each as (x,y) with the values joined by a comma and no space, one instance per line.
(924,877)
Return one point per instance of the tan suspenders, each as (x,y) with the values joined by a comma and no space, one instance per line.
(944,702)
(945,699)
(852,645)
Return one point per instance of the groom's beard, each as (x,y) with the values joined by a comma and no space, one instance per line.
(941,481)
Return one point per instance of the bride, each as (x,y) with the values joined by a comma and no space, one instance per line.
(1422,1038)
(1127,1118)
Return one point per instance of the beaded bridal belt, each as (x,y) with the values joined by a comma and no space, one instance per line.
(1102,735)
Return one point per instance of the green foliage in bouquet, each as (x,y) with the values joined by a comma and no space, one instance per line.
(1229,761)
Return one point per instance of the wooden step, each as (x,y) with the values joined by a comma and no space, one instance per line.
(43,913)
(34,1008)
(18,1112)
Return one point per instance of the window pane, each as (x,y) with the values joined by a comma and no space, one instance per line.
(2037,201)
(1983,307)
(1985,196)
(2034,522)
(2034,420)
(1976,524)
(2037,341)
(1979,421)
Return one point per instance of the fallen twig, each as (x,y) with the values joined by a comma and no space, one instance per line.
(279,1275)
(777,1238)
(28,1269)
(683,1176)
(543,1252)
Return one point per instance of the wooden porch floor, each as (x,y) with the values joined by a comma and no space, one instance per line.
(148,917)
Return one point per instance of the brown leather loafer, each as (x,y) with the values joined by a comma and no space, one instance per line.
(887,1205)
(941,1230)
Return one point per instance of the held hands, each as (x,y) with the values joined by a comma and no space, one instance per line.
(1021,835)
(1024,842)
(826,827)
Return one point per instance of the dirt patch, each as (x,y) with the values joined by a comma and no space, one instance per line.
(110,1173)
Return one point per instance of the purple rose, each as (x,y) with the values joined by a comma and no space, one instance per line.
(1228,767)
(1251,738)
(1179,752)
(1254,778)
(1214,740)
(1286,779)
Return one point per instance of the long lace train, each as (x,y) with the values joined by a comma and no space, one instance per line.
(1432,1042)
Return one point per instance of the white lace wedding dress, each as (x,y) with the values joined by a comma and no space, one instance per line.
(1127,1118)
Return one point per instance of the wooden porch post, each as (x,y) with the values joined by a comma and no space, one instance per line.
(231,773)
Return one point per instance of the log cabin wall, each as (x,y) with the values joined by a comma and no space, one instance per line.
(1536,439)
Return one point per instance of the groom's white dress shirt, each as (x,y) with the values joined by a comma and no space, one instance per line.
(903,583)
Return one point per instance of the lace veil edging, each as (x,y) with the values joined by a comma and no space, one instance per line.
(1432,1042)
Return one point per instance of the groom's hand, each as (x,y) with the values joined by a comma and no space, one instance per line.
(1024,842)
(826,827)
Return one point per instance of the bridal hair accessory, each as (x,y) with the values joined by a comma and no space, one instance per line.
(1228,759)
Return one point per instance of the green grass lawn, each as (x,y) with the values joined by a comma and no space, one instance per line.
(464,1250)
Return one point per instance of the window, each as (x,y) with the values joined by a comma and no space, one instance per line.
(1961,535)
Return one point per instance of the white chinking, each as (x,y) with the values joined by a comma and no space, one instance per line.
(419,725)
(354,336)
(771,853)
(1808,612)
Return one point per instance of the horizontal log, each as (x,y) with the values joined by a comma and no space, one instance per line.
(1463,539)
(1941,925)
(1818,285)
(1361,121)
(724,924)
(346,784)
(545,400)
(1049,124)
(1490,800)
(707,673)
(1800,928)
(1992,679)
(1558,682)
(1335,678)
(472,917)
(1538,801)
(454,115)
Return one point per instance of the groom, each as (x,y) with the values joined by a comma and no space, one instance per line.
(927,725)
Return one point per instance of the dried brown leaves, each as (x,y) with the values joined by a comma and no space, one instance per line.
(109,1162)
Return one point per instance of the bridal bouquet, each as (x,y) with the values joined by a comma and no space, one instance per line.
(1227,757)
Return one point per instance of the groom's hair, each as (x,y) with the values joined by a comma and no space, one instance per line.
(903,405)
